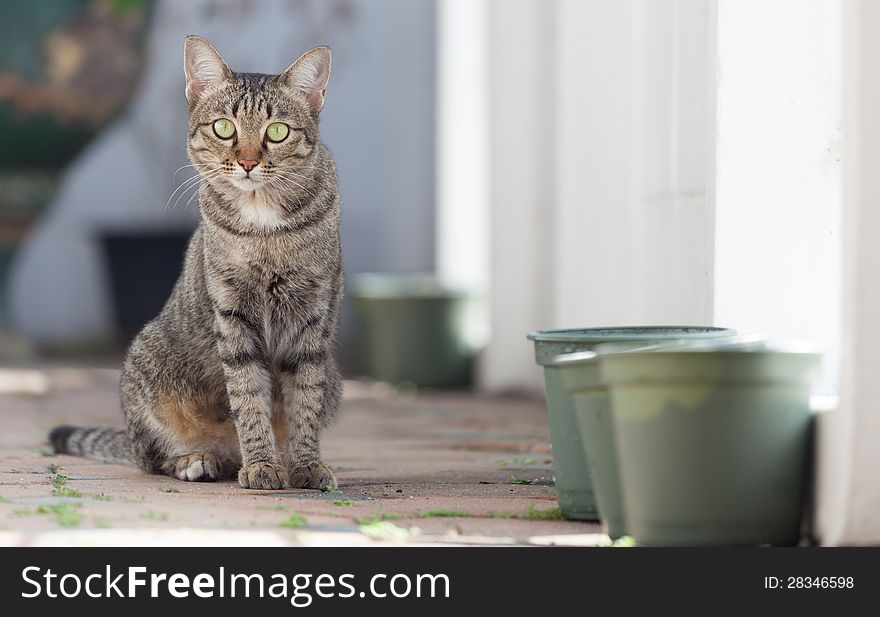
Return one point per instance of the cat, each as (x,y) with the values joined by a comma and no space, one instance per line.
(236,376)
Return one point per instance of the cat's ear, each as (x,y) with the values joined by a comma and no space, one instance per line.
(203,67)
(308,75)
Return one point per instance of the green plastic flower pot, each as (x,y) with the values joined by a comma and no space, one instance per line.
(412,329)
(592,412)
(574,482)
(712,443)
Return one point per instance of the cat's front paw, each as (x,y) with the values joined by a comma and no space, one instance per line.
(313,475)
(263,476)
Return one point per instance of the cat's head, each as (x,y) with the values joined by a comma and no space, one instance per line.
(251,133)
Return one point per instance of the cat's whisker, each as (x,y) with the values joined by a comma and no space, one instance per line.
(283,201)
(193,182)
(294,171)
(295,174)
(197,185)
(297,167)
(295,183)
(186,185)
(191,197)
(183,184)
(289,185)
(177,171)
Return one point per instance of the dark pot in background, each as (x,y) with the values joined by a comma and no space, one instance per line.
(143,268)
(574,482)
(411,329)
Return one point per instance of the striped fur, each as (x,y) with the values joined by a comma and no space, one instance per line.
(236,376)
(111,445)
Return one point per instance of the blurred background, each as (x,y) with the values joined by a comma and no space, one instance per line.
(504,166)
(93,125)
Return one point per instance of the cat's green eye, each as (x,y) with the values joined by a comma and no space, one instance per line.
(277,131)
(224,128)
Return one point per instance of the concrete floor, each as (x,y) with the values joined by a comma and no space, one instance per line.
(436,468)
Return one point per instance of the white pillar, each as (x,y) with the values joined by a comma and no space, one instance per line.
(463,144)
(777,191)
(602,125)
(849,455)
(521,188)
(634,146)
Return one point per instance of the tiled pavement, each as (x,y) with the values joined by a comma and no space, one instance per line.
(437,468)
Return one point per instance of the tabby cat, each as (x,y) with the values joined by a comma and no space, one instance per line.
(236,374)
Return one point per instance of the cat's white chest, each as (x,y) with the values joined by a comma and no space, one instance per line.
(257,210)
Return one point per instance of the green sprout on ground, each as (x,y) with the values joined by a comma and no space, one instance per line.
(622,542)
(383,530)
(332,490)
(58,488)
(294,521)
(66,514)
(22,512)
(102,522)
(154,516)
(535,514)
(168,490)
(276,508)
(515,480)
(501,515)
(442,513)
(3,499)
(53,468)
(64,491)
(516,462)
(46,450)
(532,513)
(378,518)
(343,502)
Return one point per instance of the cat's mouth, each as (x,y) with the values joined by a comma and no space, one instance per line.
(247,183)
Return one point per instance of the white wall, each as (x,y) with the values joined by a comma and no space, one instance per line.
(633,118)
(777,203)
(463,144)
(686,170)
(849,456)
(601,166)
(520,188)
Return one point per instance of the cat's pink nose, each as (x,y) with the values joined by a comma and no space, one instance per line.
(247,164)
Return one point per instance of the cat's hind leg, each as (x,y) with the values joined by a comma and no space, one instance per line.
(199,438)
(186,435)
(196,467)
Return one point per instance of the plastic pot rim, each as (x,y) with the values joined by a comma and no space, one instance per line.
(575,358)
(624,333)
(784,350)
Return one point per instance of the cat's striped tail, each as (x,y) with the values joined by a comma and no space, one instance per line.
(103,444)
